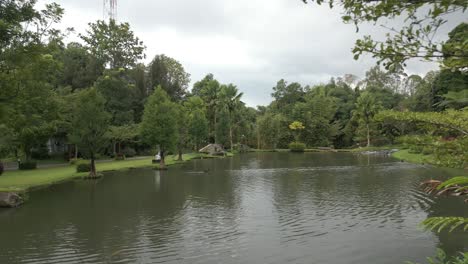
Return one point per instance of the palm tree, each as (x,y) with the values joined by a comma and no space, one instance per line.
(230,98)
(366,108)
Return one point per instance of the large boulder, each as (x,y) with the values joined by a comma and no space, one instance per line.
(9,199)
(213,149)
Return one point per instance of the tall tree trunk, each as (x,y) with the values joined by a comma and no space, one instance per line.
(76,151)
(162,163)
(368,135)
(230,136)
(258,139)
(92,172)
(180,155)
(115,149)
(215,126)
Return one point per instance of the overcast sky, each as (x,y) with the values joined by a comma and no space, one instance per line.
(251,43)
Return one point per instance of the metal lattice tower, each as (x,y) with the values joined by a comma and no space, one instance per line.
(110,9)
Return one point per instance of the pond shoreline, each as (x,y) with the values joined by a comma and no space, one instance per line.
(19,183)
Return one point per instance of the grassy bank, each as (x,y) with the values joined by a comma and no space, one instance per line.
(419,158)
(20,181)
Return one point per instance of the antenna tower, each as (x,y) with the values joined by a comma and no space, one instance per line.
(110,9)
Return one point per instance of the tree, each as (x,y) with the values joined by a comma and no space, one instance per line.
(159,124)
(209,90)
(90,124)
(122,134)
(271,127)
(114,44)
(169,74)
(455,50)
(80,69)
(317,115)
(33,113)
(22,33)
(182,129)
(366,108)
(296,127)
(414,39)
(119,95)
(230,97)
(197,122)
(286,95)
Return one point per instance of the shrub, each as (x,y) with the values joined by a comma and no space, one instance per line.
(297,147)
(27,165)
(427,151)
(83,167)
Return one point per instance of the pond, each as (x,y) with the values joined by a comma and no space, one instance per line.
(252,208)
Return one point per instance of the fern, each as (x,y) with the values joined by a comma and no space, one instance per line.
(441,258)
(461,180)
(438,224)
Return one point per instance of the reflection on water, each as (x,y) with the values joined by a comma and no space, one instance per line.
(253,208)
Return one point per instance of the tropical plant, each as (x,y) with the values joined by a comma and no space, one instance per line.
(442,258)
(366,108)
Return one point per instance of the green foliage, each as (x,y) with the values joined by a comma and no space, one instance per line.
(27,165)
(197,122)
(114,44)
(286,95)
(159,125)
(438,224)
(168,73)
(271,128)
(80,68)
(455,50)
(297,147)
(119,96)
(414,38)
(90,123)
(83,167)
(451,120)
(366,108)
(441,258)
(209,90)
(75,161)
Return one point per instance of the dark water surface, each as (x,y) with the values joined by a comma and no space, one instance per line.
(253,208)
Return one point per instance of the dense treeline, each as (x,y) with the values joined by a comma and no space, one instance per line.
(96,98)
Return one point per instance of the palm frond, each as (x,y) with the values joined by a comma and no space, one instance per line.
(438,224)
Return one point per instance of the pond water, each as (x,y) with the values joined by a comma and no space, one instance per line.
(253,208)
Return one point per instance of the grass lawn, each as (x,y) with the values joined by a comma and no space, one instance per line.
(19,181)
(413,158)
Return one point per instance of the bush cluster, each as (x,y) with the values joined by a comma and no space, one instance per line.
(297,147)
(83,166)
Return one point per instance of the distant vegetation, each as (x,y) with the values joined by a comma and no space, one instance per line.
(95,98)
